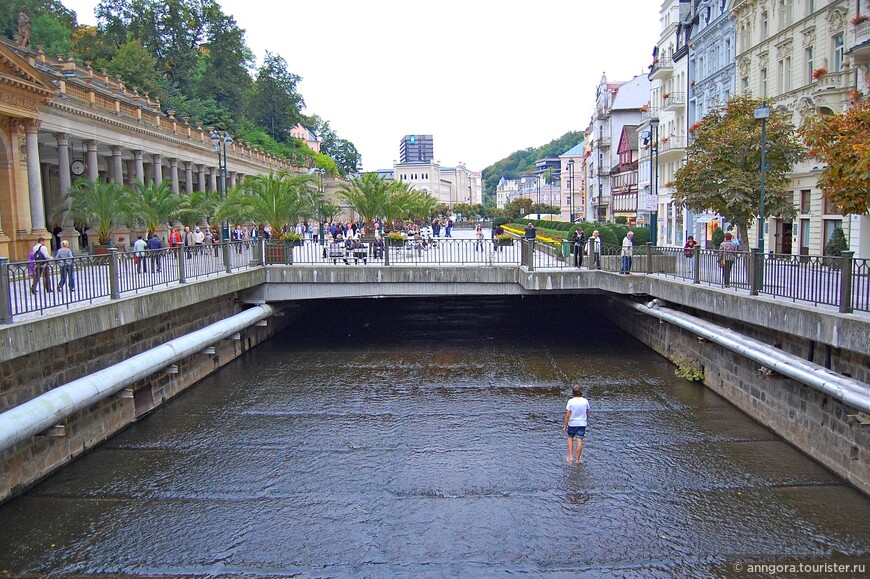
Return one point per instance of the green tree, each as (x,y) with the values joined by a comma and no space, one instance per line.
(275,104)
(372,197)
(137,67)
(151,206)
(723,173)
(277,199)
(843,142)
(197,206)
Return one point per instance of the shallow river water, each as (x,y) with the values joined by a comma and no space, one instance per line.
(423,438)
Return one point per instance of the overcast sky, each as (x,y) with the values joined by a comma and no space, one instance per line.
(485,78)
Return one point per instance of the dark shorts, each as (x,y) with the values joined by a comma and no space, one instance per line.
(576,431)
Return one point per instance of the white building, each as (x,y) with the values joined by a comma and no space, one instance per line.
(616,105)
(449,185)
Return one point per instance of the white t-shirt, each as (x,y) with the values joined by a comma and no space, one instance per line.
(578,407)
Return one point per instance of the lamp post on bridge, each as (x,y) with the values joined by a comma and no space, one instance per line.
(219,142)
(571,192)
(763,113)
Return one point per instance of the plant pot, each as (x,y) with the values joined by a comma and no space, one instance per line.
(100,249)
(395,242)
(279,253)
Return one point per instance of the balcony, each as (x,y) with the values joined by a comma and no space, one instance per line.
(672,147)
(675,101)
(861,46)
(661,68)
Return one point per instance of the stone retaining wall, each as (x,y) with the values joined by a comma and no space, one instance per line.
(88,347)
(818,425)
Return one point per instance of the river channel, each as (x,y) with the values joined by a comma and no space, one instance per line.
(423,438)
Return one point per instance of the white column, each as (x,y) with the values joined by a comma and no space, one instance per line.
(65,178)
(34,178)
(201,171)
(93,161)
(157,160)
(213,179)
(140,166)
(188,177)
(117,164)
(173,173)
(63,171)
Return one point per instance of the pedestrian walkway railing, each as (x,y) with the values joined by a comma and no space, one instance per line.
(27,287)
(841,281)
(838,281)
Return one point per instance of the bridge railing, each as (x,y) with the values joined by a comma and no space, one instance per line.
(840,281)
(29,287)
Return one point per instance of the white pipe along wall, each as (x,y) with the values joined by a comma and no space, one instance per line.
(44,411)
(847,390)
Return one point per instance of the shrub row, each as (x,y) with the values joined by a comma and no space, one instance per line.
(611,233)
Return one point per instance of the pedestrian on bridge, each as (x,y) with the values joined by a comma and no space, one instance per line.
(727,254)
(41,268)
(579,240)
(576,420)
(139,247)
(154,247)
(627,253)
(595,249)
(64,258)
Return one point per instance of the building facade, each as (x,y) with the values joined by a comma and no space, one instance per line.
(796,55)
(448,185)
(60,121)
(573,184)
(617,105)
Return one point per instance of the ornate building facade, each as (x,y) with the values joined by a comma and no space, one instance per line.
(60,121)
(803,56)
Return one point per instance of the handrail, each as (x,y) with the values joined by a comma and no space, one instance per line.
(838,281)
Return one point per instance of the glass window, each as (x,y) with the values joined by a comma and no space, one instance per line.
(764,25)
(805,200)
(809,56)
(764,82)
(829,207)
(838,52)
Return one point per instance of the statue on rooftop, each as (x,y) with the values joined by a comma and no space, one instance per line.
(24,27)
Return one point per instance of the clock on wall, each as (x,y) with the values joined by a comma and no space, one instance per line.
(77,167)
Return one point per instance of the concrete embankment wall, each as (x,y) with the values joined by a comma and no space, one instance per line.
(819,425)
(43,354)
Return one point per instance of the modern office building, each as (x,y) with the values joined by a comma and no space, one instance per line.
(416,149)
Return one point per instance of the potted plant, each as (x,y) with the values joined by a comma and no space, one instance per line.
(291,239)
(666,96)
(504,239)
(396,239)
(98,205)
(819,72)
(859,19)
(276,199)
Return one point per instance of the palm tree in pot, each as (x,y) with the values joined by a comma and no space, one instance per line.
(97,205)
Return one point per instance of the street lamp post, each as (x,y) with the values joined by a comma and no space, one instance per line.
(762,112)
(538,182)
(320,230)
(654,214)
(571,192)
(219,142)
(600,186)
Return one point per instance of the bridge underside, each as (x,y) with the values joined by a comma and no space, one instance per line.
(301,282)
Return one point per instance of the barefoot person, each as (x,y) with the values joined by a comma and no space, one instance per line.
(576,419)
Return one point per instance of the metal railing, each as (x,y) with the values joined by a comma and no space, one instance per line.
(27,287)
(838,281)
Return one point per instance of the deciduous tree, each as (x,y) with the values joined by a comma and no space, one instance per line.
(723,170)
(843,142)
